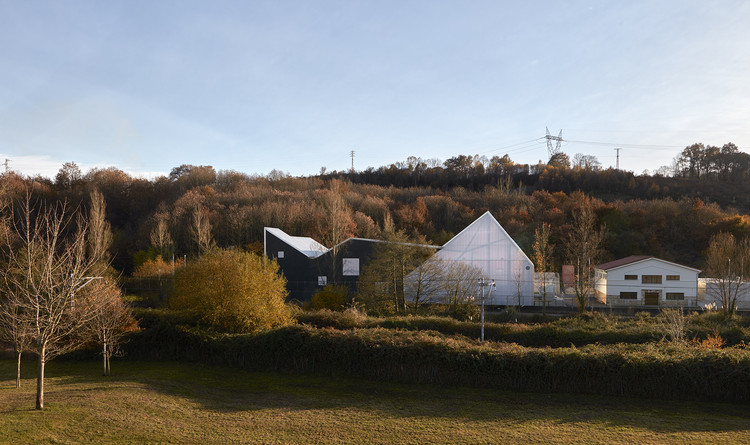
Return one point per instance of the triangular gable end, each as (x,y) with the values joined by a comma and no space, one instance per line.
(486,216)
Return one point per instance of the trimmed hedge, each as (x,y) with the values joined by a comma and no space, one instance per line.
(654,370)
(564,333)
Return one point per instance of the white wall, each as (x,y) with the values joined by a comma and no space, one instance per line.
(486,245)
(614,282)
(709,295)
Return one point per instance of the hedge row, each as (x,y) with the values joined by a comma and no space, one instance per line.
(654,370)
(532,335)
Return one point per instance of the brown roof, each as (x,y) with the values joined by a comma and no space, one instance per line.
(623,261)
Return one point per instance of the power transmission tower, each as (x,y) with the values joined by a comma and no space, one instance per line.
(558,142)
(352,154)
(618,158)
(7,165)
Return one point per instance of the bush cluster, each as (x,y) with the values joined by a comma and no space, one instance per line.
(653,370)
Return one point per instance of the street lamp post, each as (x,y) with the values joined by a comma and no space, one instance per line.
(76,287)
(483,284)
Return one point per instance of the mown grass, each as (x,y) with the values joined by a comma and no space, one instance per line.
(191,403)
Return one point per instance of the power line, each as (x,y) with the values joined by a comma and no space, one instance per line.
(525,143)
(636,146)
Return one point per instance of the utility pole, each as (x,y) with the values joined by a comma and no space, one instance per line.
(352,154)
(618,158)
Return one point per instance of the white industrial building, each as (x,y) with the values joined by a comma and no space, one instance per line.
(710,292)
(646,281)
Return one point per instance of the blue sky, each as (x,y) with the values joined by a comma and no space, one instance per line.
(295,85)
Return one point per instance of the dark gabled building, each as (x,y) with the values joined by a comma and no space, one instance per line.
(483,244)
(308,265)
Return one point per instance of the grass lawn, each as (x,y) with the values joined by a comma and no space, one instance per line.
(191,403)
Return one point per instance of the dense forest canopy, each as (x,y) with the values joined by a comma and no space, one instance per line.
(671,216)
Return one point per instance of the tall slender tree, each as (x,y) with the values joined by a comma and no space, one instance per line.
(542,259)
(337,222)
(100,234)
(584,251)
(200,229)
(160,237)
(16,330)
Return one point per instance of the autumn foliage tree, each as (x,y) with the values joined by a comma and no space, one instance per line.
(111,319)
(232,291)
(542,258)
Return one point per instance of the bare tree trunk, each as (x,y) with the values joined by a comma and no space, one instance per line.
(104,357)
(18,372)
(403,283)
(40,381)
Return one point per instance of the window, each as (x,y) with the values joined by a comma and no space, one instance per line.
(631,277)
(280,254)
(651,279)
(322,280)
(675,296)
(350,267)
(673,278)
(629,295)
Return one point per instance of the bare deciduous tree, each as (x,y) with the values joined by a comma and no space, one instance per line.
(111,318)
(160,236)
(728,266)
(425,283)
(100,231)
(200,230)
(45,272)
(460,288)
(584,251)
(338,224)
(15,330)
(383,281)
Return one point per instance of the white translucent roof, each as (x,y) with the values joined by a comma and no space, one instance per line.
(486,245)
(304,244)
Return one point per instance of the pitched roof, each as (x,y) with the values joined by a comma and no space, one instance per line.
(636,259)
(307,246)
(623,261)
(487,217)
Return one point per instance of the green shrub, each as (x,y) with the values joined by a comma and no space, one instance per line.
(232,291)
(326,318)
(331,297)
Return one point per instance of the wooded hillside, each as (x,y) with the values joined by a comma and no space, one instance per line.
(669,217)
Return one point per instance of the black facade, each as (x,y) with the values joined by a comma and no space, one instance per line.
(306,274)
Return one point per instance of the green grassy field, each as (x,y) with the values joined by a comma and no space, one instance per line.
(190,403)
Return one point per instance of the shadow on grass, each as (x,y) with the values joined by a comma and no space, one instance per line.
(226,390)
